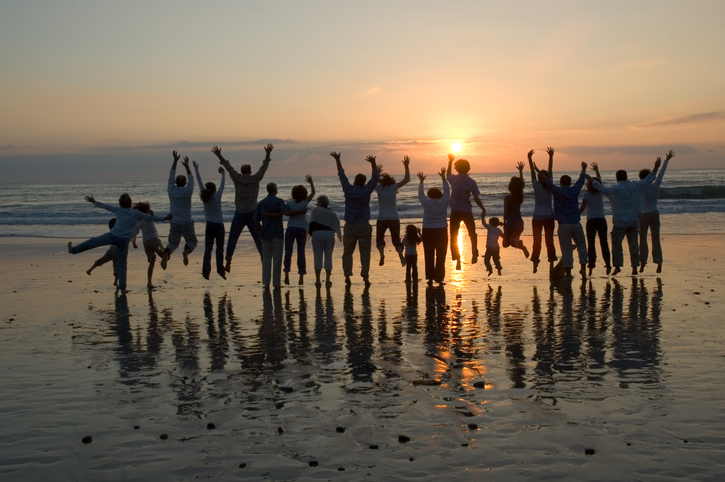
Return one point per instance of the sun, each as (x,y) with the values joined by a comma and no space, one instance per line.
(456,147)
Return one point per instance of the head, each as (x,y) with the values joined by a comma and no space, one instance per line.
(299,193)
(208,192)
(543,176)
(125,200)
(180,180)
(272,189)
(111,223)
(386,180)
(516,185)
(495,222)
(435,193)
(246,169)
(621,175)
(462,166)
(411,233)
(360,180)
(143,207)
(565,181)
(590,187)
(644,173)
(323,201)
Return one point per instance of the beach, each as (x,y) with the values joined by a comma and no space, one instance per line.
(487,378)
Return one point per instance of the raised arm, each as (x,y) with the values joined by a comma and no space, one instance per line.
(583,206)
(530,156)
(661,174)
(336,155)
(198,176)
(176,160)
(550,151)
(374,165)
(406,177)
(308,178)
(595,168)
(218,153)
(375,175)
(421,187)
(450,164)
(221,184)
(520,167)
(185,163)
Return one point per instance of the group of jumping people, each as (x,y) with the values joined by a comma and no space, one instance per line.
(633,204)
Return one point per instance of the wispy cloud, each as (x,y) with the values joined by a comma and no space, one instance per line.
(682,119)
(369,93)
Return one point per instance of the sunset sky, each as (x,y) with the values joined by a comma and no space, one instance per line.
(100,90)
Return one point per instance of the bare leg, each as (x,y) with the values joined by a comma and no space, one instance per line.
(150,274)
(301,281)
(328,273)
(382,256)
(286,277)
(317,277)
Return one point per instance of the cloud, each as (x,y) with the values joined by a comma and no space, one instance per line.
(630,150)
(370,92)
(682,119)
(192,145)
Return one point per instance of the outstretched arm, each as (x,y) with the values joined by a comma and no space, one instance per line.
(520,167)
(550,151)
(477,200)
(308,178)
(595,168)
(450,164)
(336,155)
(185,163)
(406,178)
(373,164)
(218,153)
(530,157)
(176,160)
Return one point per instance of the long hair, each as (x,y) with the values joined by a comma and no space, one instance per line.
(386,180)
(516,188)
(299,193)
(411,234)
(207,192)
(144,207)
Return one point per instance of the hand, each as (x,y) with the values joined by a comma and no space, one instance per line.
(451,157)
(308,178)
(584,166)
(406,161)
(658,162)
(268,149)
(421,176)
(670,154)
(550,151)
(336,155)
(221,170)
(380,167)
(169,217)
(588,177)
(196,164)
(371,160)
(185,162)
(90,199)
(176,156)
(530,154)
(443,173)
(264,213)
(135,246)
(520,166)
(217,151)
(594,166)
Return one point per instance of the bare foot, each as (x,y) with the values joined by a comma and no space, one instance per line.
(609,269)
(328,283)
(526,251)
(185,255)
(347,280)
(286,278)
(70,247)
(164,260)
(499,272)
(641,268)
(222,275)
(89,272)
(458,265)
(536,266)
(150,286)
(382,261)
(228,266)
(590,271)
(659,267)
(490,272)
(367,281)
(616,271)
(474,258)
(301,280)
(634,270)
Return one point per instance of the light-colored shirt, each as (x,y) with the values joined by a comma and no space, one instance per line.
(411,249)
(357,198)
(147,228)
(246,187)
(297,220)
(462,186)
(652,193)
(595,205)
(435,211)
(625,198)
(387,202)
(125,219)
(180,199)
(492,235)
(542,202)
(213,207)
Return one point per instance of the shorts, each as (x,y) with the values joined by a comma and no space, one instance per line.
(152,247)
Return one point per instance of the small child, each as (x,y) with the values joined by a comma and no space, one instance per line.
(492,248)
(410,242)
(110,255)
(152,244)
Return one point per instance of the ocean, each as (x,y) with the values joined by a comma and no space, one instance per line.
(691,202)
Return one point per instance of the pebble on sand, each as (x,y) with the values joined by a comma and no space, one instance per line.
(589,451)
(403,439)
(480,384)
(242,465)
(87,439)
(164,436)
(136,427)
(340,430)
(314,463)
(472,426)
(280,430)
(210,426)
(373,447)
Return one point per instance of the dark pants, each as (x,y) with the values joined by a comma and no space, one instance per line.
(383,225)
(290,236)
(597,226)
(238,224)
(107,239)
(435,244)
(411,267)
(214,234)
(650,221)
(467,218)
(492,253)
(548,226)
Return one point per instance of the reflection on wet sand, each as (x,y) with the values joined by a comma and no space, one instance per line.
(569,340)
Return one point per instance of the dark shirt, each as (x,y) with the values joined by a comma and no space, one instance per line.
(566,200)
(272,227)
(357,198)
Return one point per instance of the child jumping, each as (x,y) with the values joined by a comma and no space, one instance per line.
(152,244)
(492,248)
(410,242)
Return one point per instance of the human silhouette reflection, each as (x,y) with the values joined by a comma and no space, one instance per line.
(359,337)
(128,360)
(299,339)
(596,333)
(513,328)
(216,328)
(465,330)
(186,341)
(325,327)
(436,329)
(411,308)
(545,340)
(272,346)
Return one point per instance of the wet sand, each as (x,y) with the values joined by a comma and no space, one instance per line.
(486,378)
